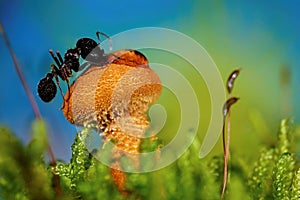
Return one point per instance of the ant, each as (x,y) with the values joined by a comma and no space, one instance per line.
(86,48)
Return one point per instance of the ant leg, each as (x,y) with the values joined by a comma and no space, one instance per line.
(55,58)
(57,71)
(98,33)
(58,84)
(84,65)
(68,83)
(59,57)
(54,72)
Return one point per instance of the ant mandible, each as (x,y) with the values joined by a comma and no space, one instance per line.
(86,48)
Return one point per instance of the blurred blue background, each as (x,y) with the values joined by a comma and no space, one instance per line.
(259,37)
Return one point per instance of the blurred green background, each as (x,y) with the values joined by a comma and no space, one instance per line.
(260,37)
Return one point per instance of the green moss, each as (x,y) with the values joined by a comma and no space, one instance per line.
(23,172)
(282,176)
(284,137)
(260,181)
(25,175)
(295,188)
(273,174)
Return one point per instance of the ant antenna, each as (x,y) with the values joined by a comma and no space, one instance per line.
(98,33)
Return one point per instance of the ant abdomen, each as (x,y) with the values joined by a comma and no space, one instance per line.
(47,88)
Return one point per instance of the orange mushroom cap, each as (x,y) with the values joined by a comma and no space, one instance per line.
(116,95)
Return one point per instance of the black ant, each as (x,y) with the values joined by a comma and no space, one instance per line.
(86,48)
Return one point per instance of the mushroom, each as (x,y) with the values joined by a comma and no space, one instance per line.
(115,98)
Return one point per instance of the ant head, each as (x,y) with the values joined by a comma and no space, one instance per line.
(86,45)
(47,88)
(88,50)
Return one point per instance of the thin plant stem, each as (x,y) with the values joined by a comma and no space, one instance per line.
(32,101)
(223,137)
(20,74)
(226,154)
(226,113)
